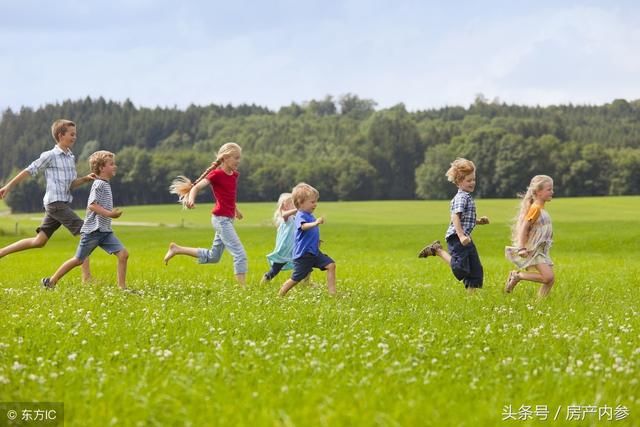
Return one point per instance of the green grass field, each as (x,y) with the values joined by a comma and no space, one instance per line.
(401,344)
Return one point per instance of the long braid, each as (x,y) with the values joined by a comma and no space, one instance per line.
(181,186)
(213,165)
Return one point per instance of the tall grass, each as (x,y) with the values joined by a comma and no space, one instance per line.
(401,344)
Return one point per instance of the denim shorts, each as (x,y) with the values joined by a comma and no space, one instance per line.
(302,266)
(105,239)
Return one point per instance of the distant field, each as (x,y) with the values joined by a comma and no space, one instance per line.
(401,344)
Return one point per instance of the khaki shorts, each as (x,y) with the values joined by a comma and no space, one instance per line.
(57,214)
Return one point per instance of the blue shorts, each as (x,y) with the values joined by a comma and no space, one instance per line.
(302,266)
(105,239)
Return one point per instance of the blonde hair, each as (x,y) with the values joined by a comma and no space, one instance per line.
(182,185)
(536,184)
(277,215)
(60,127)
(303,192)
(459,169)
(99,159)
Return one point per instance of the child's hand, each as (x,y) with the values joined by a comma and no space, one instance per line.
(320,220)
(190,203)
(523,252)
(91,177)
(465,240)
(483,220)
(239,214)
(3,191)
(116,213)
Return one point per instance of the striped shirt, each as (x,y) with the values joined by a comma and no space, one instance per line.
(59,170)
(463,204)
(101,195)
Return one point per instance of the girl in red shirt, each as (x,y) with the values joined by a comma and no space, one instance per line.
(222,176)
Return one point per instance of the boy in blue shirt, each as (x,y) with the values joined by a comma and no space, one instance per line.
(306,252)
(463,256)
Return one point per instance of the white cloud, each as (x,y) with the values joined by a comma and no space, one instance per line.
(420,54)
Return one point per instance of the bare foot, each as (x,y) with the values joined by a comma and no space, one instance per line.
(170,253)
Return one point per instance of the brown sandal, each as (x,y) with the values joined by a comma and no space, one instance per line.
(430,250)
(512,281)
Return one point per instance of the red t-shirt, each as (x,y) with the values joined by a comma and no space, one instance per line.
(224,190)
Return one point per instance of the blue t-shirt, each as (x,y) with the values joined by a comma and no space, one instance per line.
(306,241)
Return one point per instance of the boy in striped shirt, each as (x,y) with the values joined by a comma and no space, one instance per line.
(96,230)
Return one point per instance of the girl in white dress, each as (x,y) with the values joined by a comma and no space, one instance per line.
(532,238)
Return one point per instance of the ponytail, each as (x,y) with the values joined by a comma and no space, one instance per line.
(181,186)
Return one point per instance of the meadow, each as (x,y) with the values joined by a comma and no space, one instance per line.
(402,344)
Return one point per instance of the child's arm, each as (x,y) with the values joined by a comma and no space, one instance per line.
(287,214)
(24,174)
(94,207)
(523,237)
(457,225)
(83,180)
(191,197)
(308,225)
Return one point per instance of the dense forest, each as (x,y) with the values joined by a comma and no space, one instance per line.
(343,146)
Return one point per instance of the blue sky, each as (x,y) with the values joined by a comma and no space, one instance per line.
(425,54)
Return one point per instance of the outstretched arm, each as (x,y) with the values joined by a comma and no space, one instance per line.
(287,214)
(15,181)
(82,180)
(191,198)
(308,225)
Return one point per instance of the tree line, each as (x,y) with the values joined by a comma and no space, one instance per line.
(343,146)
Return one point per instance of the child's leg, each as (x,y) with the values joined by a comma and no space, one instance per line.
(63,214)
(39,241)
(475,278)
(67,266)
(331,278)
(444,256)
(241,278)
(175,249)
(286,287)
(45,230)
(123,257)
(434,248)
(544,275)
(86,271)
(230,240)
(274,270)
